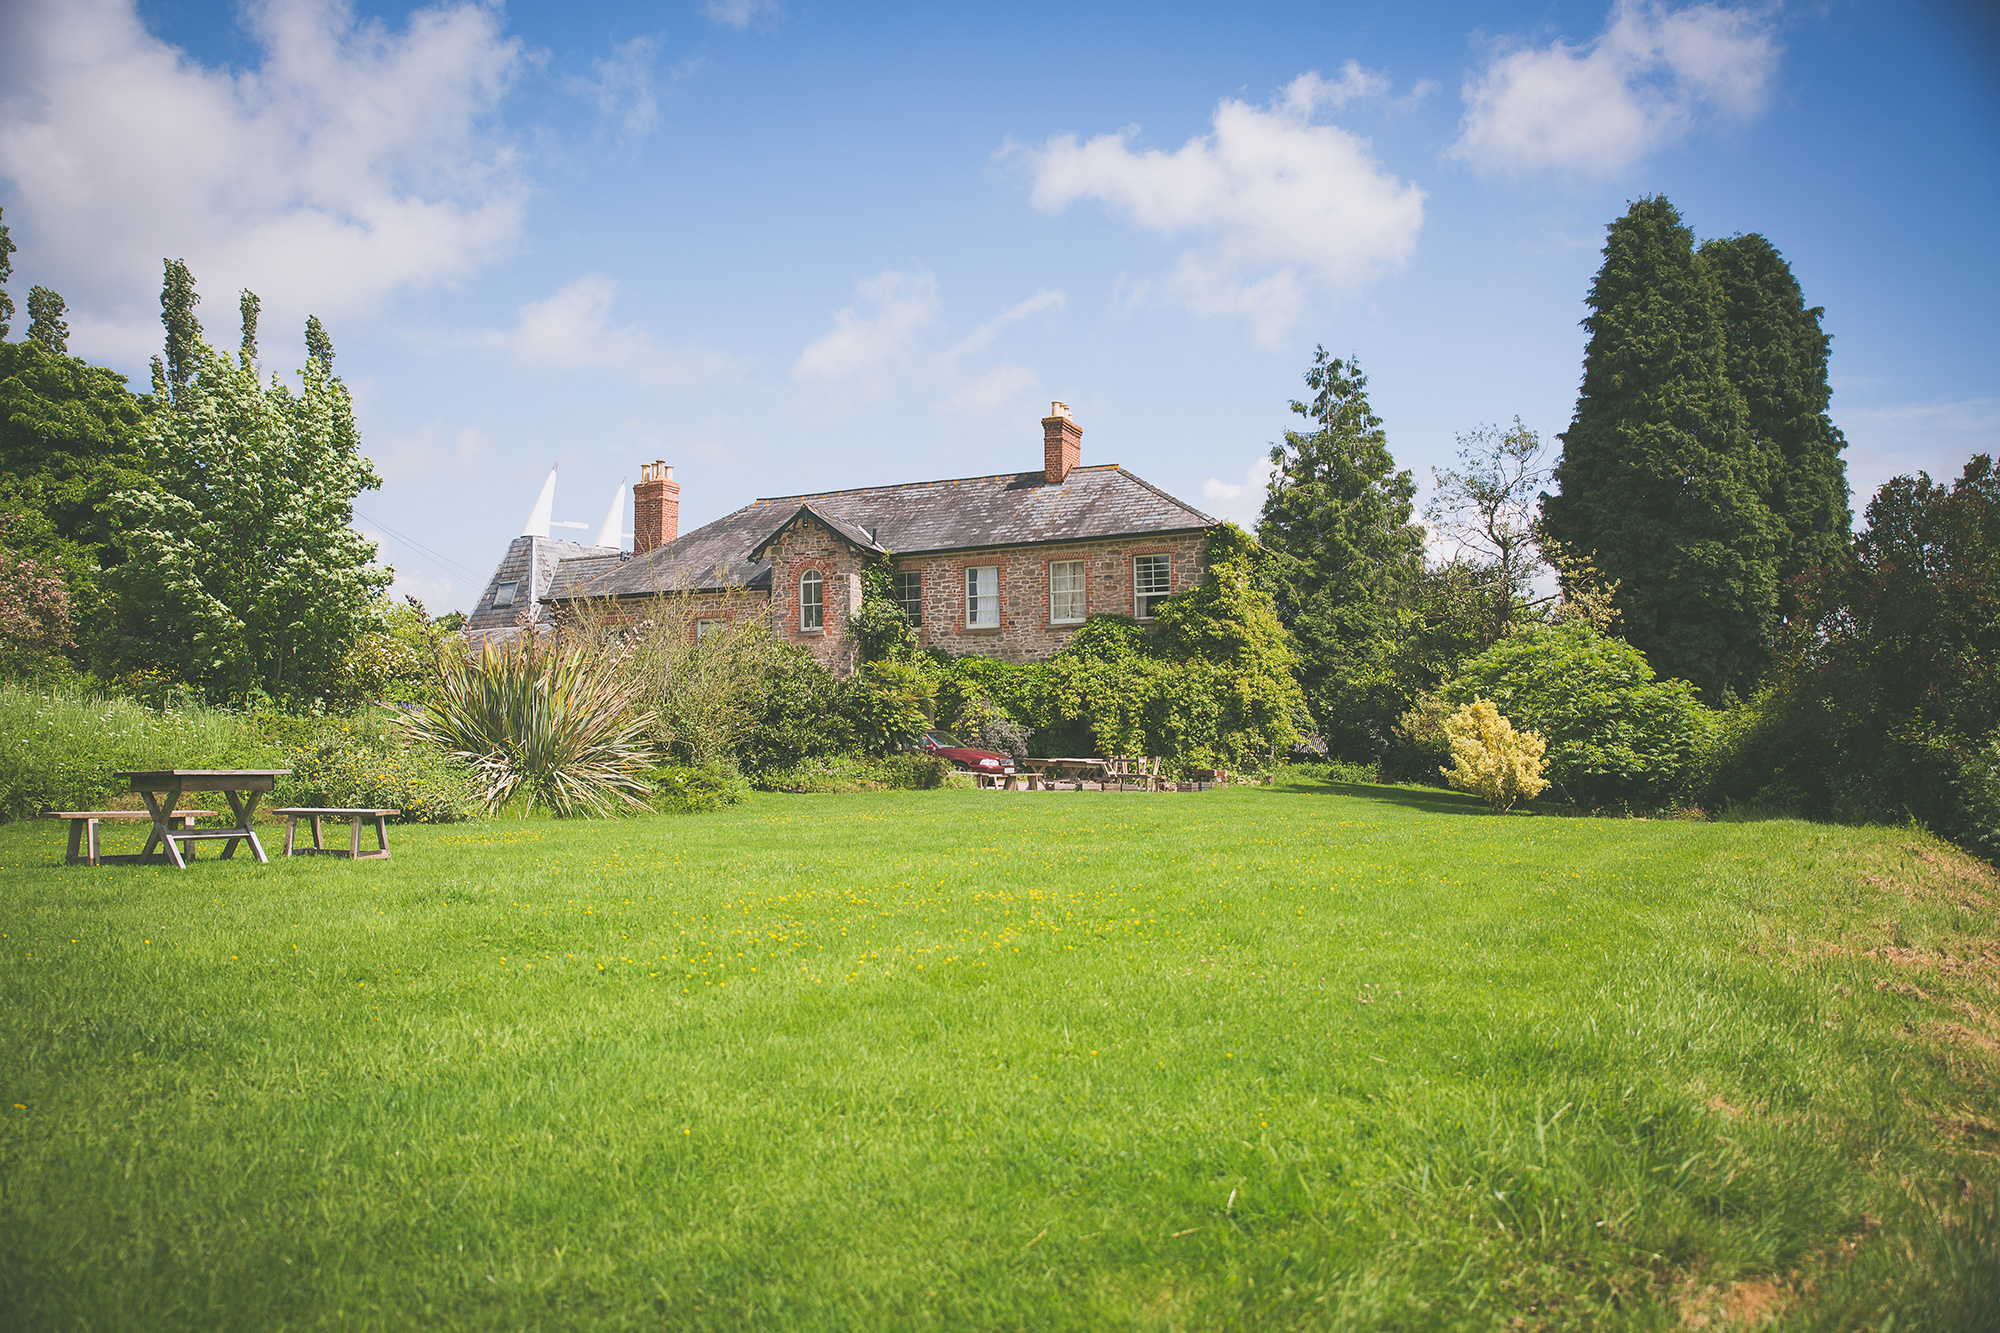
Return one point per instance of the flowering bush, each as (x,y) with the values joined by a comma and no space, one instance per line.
(1492,760)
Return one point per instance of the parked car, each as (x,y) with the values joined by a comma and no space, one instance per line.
(943,745)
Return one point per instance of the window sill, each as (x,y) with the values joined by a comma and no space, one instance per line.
(982,629)
(815,633)
(1064,624)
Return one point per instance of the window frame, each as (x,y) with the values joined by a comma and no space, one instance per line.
(1142,607)
(1082,574)
(812,602)
(909,589)
(707,625)
(505,594)
(972,596)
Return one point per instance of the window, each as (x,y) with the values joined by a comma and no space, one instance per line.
(910,594)
(704,628)
(1065,591)
(982,597)
(1152,581)
(504,594)
(812,601)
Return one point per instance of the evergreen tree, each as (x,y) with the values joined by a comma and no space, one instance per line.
(1341,554)
(1660,475)
(1778,362)
(6,272)
(46,327)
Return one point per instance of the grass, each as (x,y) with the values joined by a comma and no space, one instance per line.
(1332,1057)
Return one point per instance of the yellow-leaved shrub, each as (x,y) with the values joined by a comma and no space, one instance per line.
(1492,760)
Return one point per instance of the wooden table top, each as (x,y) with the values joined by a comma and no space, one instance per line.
(168,775)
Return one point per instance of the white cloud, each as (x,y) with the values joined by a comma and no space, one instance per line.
(572,330)
(1652,75)
(737,13)
(621,86)
(1902,439)
(352,160)
(1286,203)
(894,342)
(1243,501)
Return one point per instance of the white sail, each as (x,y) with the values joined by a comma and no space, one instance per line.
(612,534)
(545,508)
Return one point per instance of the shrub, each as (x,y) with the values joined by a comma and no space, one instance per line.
(1418,747)
(887,704)
(915,772)
(985,725)
(1492,760)
(365,762)
(793,714)
(556,723)
(689,790)
(1325,770)
(1616,736)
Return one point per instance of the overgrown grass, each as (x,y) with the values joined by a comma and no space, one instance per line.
(1256,1058)
(58,749)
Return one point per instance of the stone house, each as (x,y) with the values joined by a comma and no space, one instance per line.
(1004,566)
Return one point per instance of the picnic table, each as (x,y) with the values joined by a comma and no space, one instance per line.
(1078,771)
(161,789)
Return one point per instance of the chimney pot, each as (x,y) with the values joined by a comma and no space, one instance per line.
(1062,443)
(656,507)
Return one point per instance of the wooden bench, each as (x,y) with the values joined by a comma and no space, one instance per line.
(294,813)
(83,832)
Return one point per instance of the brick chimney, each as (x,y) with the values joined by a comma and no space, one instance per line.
(1062,443)
(656,507)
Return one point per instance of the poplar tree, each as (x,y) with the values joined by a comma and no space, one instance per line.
(1778,362)
(1341,556)
(1660,475)
(178,299)
(7,248)
(46,327)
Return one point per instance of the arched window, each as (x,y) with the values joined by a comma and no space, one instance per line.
(812,600)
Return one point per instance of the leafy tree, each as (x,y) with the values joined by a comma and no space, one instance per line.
(1778,361)
(7,248)
(244,577)
(1489,509)
(68,442)
(178,299)
(34,610)
(1662,481)
(1230,622)
(1341,556)
(1886,699)
(250,307)
(1616,735)
(46,327)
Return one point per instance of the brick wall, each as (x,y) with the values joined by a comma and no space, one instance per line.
(1025,632)
(806,545)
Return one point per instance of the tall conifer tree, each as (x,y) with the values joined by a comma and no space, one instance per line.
(1660,475)
(1778,362)
(47,329)
(7,248)
(1341,556)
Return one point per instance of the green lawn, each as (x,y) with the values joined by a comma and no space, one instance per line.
(1323,1058)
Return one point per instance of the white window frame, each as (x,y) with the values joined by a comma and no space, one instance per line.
(1140,597)
(907,577)
(978,616)
(1071,569)
(812,601)
(706,626)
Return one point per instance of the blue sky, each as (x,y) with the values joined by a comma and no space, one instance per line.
(790,246)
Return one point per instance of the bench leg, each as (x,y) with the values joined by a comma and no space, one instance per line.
(318,846)
(75,841)
(382,835)
(90,842)
(291,833)
(354,840)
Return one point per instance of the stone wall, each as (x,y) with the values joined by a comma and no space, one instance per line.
(810,544)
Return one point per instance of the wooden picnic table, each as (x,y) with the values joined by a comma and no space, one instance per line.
(1075,770)
(161,789)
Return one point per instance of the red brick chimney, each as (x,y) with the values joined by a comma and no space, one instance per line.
(656,507)
(1062,443)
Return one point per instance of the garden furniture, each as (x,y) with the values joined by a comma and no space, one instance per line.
(83,832)
(161,789)
(294,813)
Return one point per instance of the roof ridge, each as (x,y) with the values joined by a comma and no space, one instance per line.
(941,481)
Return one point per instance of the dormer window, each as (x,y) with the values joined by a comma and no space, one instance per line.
(812,602)
(504,594)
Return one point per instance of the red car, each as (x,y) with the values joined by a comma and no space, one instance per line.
(942,744)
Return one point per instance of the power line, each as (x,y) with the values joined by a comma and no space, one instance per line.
(450,565)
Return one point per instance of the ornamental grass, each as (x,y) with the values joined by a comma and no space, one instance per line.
(552,723)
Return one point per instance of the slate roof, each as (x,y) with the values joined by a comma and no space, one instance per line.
(969,513)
